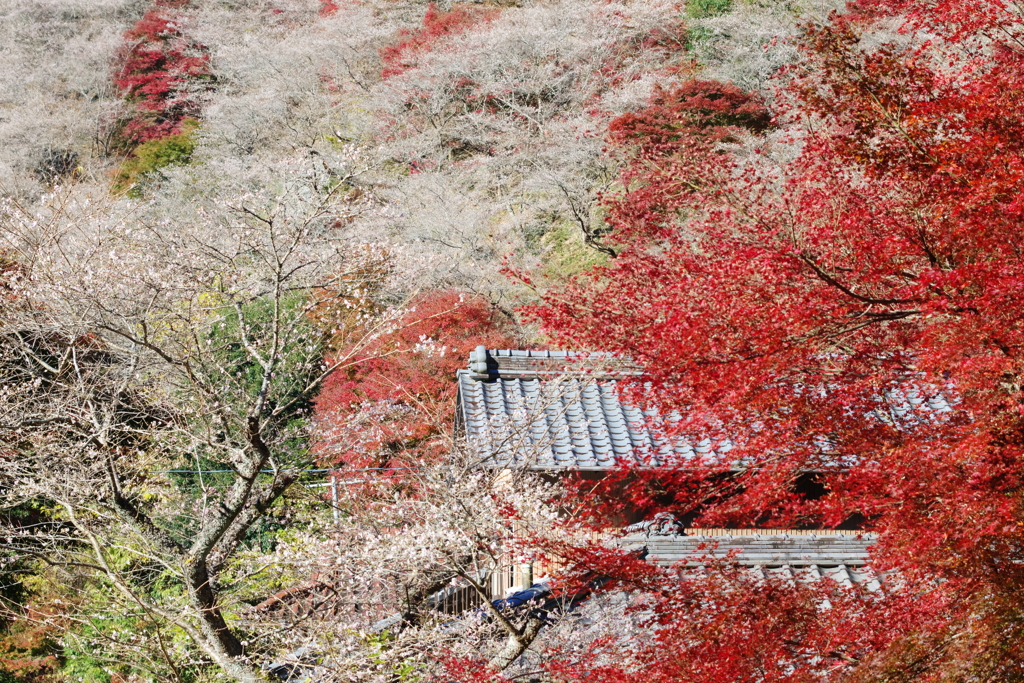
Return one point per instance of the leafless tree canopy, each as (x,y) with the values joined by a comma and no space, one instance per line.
(133,345)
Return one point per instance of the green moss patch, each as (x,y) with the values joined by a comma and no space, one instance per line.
(702,9)
(151,156)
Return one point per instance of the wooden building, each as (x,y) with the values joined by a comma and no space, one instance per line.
(556,412)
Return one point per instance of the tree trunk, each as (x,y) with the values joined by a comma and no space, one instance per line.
(517,644)
(204,601)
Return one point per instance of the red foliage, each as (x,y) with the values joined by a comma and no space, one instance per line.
(159,62)
(27,652)
(853,313)
(328,8)
(391,404)
(437,26)
(671,142)
(693,111)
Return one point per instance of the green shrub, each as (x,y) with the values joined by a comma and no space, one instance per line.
(566,254)
(150,157)
(696,35)
(702,9)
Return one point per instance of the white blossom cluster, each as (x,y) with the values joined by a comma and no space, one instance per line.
(399,541)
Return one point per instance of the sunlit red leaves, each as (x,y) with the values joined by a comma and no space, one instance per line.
(724,623)
(671,149)
(158,65)
(328,8)
(390,406)
(961,21)
(853,312)
(438,26)
(690,112)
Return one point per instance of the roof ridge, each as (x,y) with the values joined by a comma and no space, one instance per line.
(521,363)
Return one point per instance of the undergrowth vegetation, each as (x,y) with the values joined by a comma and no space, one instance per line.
(151,156)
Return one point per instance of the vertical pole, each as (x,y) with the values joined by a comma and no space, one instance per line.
(334,498)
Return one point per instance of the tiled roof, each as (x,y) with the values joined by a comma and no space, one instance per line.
(805,557)
(535,363)
(563,410)
(558,410)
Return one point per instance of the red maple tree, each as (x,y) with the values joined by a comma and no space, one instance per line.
(437,26)
(328,8)
(850,308)
(392,405)
(158,65)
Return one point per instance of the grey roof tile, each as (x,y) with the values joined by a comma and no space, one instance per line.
(558,409)
(764,550)
(555,409)
(799,556)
